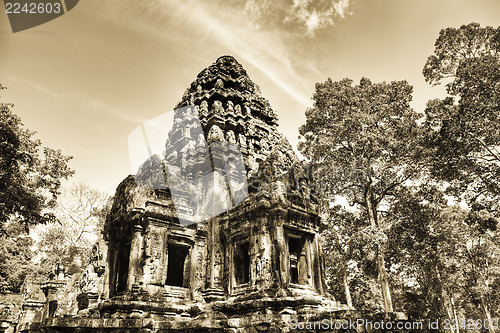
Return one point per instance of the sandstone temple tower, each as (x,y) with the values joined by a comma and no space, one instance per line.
(219,234)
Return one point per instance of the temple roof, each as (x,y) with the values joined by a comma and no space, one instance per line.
(224,146)
(227,80)
(230,108)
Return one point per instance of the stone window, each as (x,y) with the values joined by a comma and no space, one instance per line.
(297,250)
(176,262)
(242,263)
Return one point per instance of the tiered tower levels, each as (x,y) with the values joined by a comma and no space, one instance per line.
(231,109)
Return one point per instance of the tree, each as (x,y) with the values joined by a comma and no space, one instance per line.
(81,210)
(338,250)
(447,256)
(361,141)
(79,218)
(480,249)
(462,138)
(350,249)
(419,247)
(29,185)
(453,46)
(15,257)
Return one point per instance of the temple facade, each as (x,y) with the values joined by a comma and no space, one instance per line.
(220,233)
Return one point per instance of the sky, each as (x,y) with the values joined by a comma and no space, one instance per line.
(86,80)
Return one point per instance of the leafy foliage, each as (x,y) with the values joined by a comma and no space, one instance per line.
(15,257)
(402,181)
(362,143)
(349,246)
(417,240)
(361,137)
(453,46)
(28,183)
(463,138)
(79,217)
(452,253)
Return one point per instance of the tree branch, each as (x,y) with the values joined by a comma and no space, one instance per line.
(495,154)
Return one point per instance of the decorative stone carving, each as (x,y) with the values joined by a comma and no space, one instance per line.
(247,112)
(216,134)
(243,141)
(230,137)
(217,107)
(196,111)
(96,258)
(203,108)
(219,84)
(250,145)
(237,109)
(189,147)
(251,129)
(156,256)
(217,267)
(264,145)
(201,140)
(172,157)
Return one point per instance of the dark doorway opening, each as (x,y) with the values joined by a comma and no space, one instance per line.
(298,260)
(176,261)
(52,308)
(242,263)
(123,263)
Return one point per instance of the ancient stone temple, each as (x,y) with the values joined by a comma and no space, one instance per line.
(221,233)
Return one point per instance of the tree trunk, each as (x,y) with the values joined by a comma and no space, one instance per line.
(344,274)
(346,289)
(445,308)
(442,298)
(487,314)
(382,273)
(453,308)
(384,283)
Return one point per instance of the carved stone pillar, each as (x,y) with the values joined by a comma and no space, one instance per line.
(215,267)
(319,273)
(134,270)
(282,257)
(50,290)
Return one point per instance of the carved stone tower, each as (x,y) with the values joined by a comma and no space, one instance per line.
(222,232)
(225,222)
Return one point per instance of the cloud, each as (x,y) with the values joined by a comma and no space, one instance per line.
(307,15)
(262,49)
(266,50)
(82,101)
(262,33)
(312,22)
(341,7)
